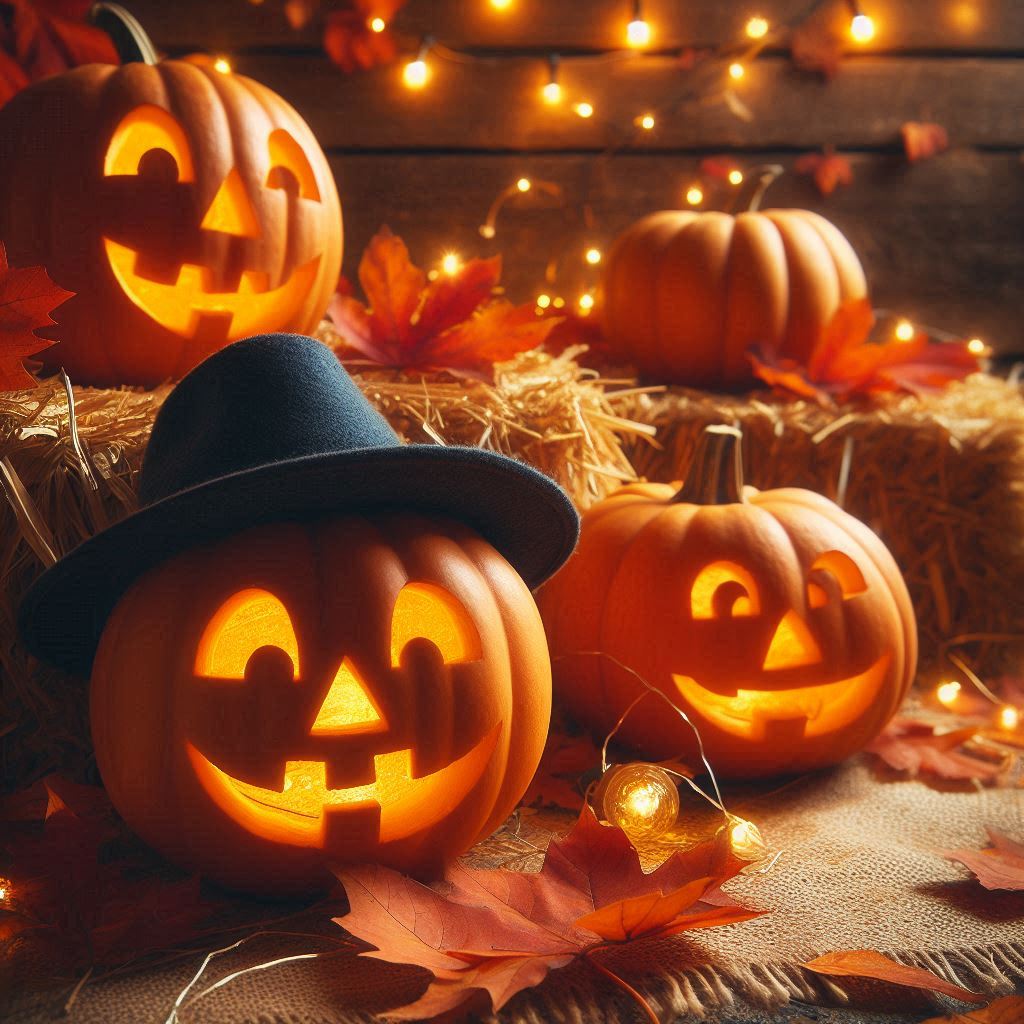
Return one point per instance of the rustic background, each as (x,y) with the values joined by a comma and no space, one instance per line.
(941,239)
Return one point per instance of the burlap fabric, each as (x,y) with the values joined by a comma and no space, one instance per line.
(859,869)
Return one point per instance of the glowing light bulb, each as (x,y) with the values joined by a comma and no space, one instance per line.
(592,256)
(977,347)
(747,842)
(543,301)
(450,263)
(862,29)
(904,330)
(501,5)
(757,27)
(416,73)
(645,121)
(3,892)
(947,693)
(586,302)
(640,798)
(584,110)
(1009,718)
(222,65)
(735,176)
(558,302)
(638,33)
(695,195)
(736,70)
(524,184)
(552,93)
(377,24)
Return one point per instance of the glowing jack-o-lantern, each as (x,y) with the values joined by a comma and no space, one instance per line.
(779,623)
(334,691)
(185,208)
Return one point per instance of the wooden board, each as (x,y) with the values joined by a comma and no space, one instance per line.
(923,232)
(908,25)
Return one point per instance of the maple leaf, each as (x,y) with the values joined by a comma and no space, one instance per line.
(1000,867)
(915,747)
(923,139)
(27,297)
(866,963)
(828,169)
(1008,1010)
(817,47)
(565,759)
(497,932)
(451,323)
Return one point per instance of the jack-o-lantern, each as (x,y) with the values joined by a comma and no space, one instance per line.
(185,208)
(779,623)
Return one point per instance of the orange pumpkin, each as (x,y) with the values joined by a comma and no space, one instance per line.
(299,694)
(779,623)
(686,294)
(185,208)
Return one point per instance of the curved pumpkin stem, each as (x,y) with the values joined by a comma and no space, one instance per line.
(715,476)
(130,39)
(766,175)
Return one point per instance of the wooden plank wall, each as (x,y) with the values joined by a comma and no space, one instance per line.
(941,240)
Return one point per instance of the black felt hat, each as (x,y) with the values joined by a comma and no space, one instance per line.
(272,428)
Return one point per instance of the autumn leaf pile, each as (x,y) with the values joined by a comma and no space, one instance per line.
(452,323)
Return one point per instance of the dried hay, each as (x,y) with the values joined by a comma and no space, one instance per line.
(941,479)
(546,410)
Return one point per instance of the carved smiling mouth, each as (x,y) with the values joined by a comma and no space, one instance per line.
(299,812)
(182,307)
(806,710)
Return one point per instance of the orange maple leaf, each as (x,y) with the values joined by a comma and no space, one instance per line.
(27,296)
(498,932)
(828,169)
(923,139)
(999,867)
(452,323)
(911,746)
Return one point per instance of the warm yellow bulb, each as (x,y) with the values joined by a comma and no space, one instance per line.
(645,121)
(695,195)
(977,347)
(757,27)
(586,302)
(736,70)
(501,5)
(638,33)
(592,256)
(640,798)
(450,263)
(584,109)
(223,65)
(378,24)
(558,302)
(416,74)
(948,692)
(543,301)
(3,892)
(746,840)
(862,29)
(552,93)
(524,184)
(904,330)
(1009,718)
(735,177)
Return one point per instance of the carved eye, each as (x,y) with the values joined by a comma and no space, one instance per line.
(427,611)
(834,572)
(724,589)
(148,132)
(289,162)
(245,623)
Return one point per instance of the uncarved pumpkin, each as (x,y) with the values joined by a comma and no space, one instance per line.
(779,623)
(302,694)
(686,294)
(185,208)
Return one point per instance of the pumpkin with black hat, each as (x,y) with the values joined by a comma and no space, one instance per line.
(311,643)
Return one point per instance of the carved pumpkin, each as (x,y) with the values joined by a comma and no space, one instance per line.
(299,694)
(185,208)
(779,623)
(686,294)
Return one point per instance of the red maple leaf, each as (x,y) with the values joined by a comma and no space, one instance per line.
(923,139)
(915,747)
(27,296)
(351,39)
(828,169)
(999,867)
(497,932)
(564,761)
(451,323)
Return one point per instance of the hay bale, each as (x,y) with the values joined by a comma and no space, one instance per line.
(940,479)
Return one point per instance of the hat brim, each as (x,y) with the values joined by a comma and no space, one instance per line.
(519,510)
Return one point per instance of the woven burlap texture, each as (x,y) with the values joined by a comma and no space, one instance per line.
(860,868)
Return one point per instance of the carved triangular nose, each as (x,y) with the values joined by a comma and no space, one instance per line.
(347,706)
(792,646)
(231,210)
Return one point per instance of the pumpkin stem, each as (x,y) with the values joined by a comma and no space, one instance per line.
(715,476)
(130,40)
(766,174)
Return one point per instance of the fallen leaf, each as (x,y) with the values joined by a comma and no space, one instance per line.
(27,297)
(828,169)
(923,139)
(1008,1010)
(815,46)
(353,46)
(497,932)
(1000,867)
(564,761)
(451,323)
(915,747)
(866,963)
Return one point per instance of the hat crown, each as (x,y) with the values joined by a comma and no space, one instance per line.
(267,399)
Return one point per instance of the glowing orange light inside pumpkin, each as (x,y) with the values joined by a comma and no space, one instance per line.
(249,620)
